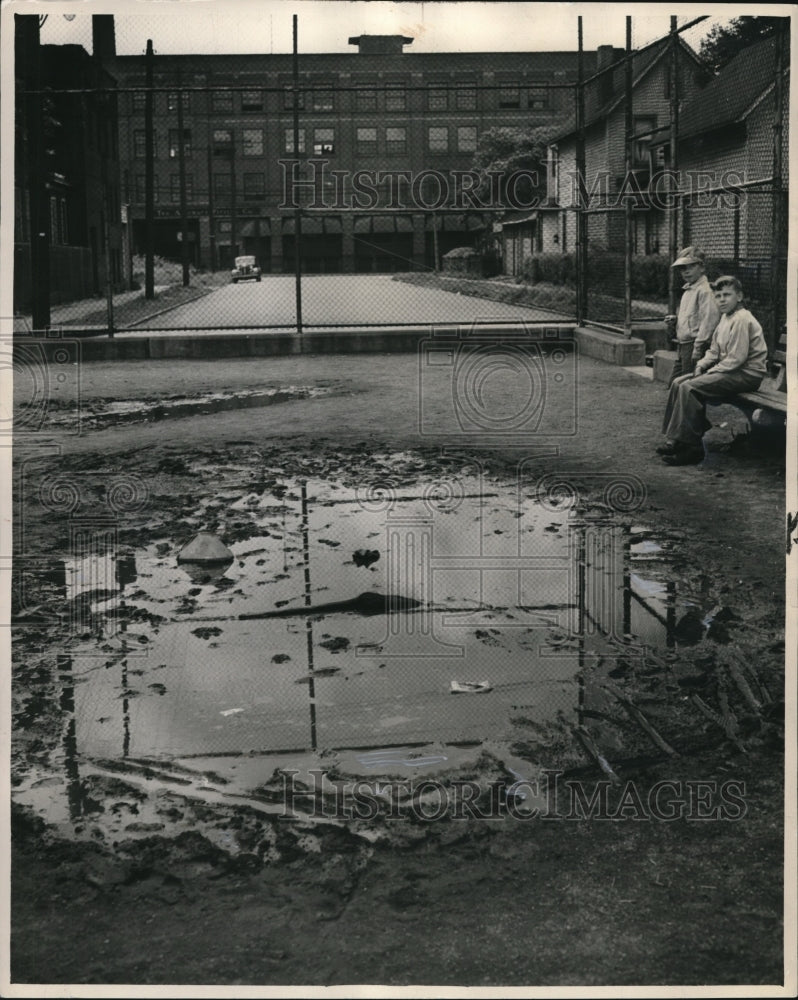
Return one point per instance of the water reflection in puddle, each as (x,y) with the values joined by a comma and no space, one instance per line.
(300,643)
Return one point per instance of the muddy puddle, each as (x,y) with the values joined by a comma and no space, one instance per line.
(400,628)
(113,413)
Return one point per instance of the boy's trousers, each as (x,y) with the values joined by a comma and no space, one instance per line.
(685,415)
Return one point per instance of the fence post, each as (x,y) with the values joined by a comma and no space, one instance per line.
(629,122)
(777,218)
(675,202)
(297,208)
(581,218)
(149,179)
(181,166)
(37,191)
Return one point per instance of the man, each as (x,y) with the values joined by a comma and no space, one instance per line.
(735,362)
(698,313)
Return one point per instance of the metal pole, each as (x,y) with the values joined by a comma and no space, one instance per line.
(777,219)
(181,164)
(211,219)
(435,250)
(149,180)
(673,206)
(297,209)
(581,218)
(105,152)
(37,191)
(629,119)
(308,621)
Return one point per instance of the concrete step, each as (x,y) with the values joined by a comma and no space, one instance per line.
(613,348)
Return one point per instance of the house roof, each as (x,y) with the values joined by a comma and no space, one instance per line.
(643,61)
(730,95)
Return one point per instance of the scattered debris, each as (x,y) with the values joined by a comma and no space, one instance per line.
(205,548)
(471,687)
(365,557)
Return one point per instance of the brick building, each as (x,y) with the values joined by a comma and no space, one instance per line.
(382,134)
(72,117)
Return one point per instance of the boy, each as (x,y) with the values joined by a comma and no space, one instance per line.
(735,362)
(698,313)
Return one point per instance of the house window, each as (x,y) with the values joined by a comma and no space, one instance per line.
(367,142)
(642,129)
(223,142)
(396,140)
(288,98)
(323,100)
(438,139)
(289,140)
(395,98)
(509,97)
(253,142)
(538,98)
(174,142)
(466,139)
(254,187)
(437,99)
(222,101)
(366,99)
(323,141)
(171,100)
(466,97)
(174,187)
(251,100)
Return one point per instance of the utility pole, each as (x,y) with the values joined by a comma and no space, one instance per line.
(149,180)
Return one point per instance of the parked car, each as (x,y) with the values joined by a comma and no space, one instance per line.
(245,268)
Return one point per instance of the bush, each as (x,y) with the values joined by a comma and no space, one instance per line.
(650,275)
(554,268)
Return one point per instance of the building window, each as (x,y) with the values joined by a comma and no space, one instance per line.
(174,187)
(438,139)
(223,142)
(251,100)
(225,226)
(139,101)
(140,144)
(509,97)
(323,100)
(289,140)
(171,100)
(367,142)
(254,187)
(437,99)
(174,142)
(395,97)
(396,140)
(141,189)
(222,101)
(253,142)
(538,98)
(466,97)
(366,99)
(323,141)
(222,187)
(288,98)
(466,138)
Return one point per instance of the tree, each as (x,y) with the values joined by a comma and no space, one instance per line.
(511,163)
(725,41)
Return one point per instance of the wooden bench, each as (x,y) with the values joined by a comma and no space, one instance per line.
(772,393)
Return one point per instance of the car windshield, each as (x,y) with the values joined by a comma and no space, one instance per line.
(245,261)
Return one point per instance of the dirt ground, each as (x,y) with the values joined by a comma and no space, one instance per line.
(510,902)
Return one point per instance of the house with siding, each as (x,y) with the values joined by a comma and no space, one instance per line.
(726,156)
(551,228)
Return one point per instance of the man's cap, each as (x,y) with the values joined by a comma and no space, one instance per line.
(688,256)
